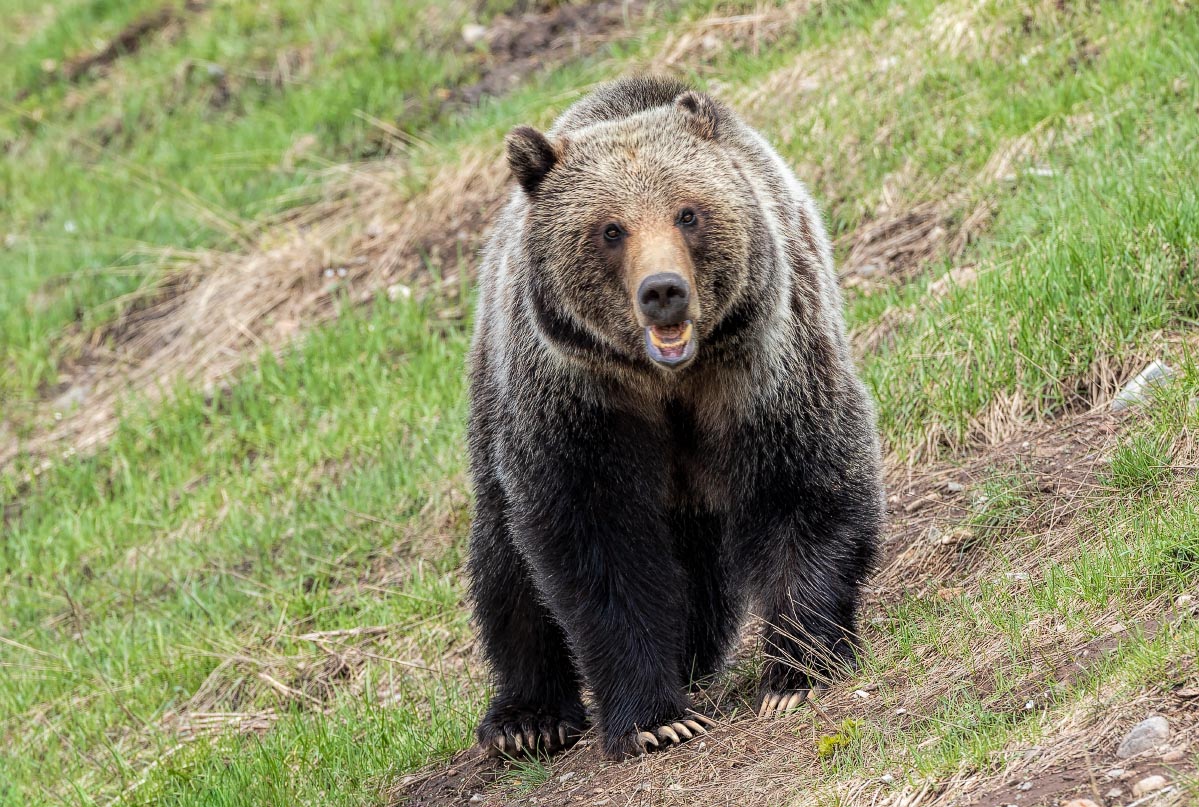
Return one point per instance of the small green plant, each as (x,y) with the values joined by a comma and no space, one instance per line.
(849,733)
(525,775)
(1002,503)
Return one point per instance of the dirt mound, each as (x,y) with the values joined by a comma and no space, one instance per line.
(516,46)
(128,41)
(933,551)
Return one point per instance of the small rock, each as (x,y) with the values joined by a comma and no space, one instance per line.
(920,504)
(1137,390)
(1150,784)
(398,291)
(566,777)
(1176,755)
(1114,793)
(1114,773)
(73,397)
(954,487)
(1079,803)
(473,34)
(1183,601)
(476,798)
(886,778)
(1024,786)
(1144,736)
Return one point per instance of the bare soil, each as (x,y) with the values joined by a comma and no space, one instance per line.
(518,45)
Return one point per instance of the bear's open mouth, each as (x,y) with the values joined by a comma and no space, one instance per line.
(670,344)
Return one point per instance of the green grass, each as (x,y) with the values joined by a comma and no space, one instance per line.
(175,572)
(187,142)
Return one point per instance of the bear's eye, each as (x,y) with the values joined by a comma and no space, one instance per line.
(613,232)
(687,216)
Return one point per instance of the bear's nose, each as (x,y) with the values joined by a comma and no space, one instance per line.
(663,298)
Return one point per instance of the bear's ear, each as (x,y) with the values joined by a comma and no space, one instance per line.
(530,156)
(703,114)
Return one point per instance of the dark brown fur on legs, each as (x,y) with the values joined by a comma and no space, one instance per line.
(666,426)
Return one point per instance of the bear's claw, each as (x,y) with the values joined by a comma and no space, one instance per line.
(775,704)
(677,732)
(512,739)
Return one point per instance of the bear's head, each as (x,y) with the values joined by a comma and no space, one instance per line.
(637,230)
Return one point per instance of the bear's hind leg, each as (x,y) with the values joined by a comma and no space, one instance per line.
(537,706)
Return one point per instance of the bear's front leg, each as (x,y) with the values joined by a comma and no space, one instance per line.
(806,563)
(588,516)
(537,706)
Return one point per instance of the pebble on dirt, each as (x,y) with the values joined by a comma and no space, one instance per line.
(471,34)
(1144,736)
(1150,784)
(1079,803)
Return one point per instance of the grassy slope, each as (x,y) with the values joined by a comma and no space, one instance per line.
(173,573)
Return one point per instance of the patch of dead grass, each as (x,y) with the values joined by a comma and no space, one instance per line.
(216,310)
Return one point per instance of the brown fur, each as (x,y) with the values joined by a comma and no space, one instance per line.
(627,513)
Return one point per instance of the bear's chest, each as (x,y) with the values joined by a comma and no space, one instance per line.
(700,473)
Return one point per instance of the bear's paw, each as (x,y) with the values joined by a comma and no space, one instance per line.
(517,731)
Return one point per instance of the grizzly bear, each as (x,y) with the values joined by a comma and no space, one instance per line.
(666,428)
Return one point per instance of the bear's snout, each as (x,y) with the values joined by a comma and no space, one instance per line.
(663,298)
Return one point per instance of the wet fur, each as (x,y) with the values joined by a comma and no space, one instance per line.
(627,517)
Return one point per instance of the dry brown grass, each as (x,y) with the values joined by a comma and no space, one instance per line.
(691,45)
(215,310)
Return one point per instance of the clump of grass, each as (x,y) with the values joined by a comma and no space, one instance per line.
(525,774)
(1140,463)
(1001,504)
